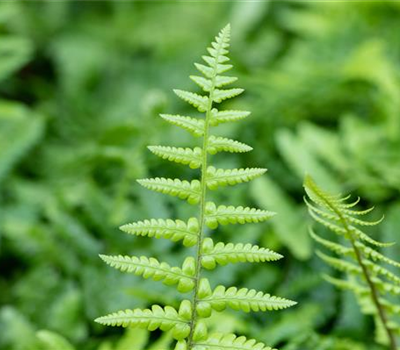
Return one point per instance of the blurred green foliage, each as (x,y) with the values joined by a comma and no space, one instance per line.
(81,85)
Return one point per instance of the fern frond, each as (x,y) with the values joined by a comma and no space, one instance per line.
(244,299)
(218,341)
(152,268)
(220,117)
(223,254)
(193,125)
(224,177)
(234,215)
(197,101)
(189,156)
(335,212)
(174,187)
(187,324)
(157,317)
(218,144)
(175,230)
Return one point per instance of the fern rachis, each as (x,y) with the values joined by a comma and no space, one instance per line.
(335,213)
(187,323)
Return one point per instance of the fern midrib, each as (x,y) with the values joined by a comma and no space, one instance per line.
(202,219)
(371,284)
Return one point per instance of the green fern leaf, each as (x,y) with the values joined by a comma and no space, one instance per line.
(197,101)
(194,126)
(179,155)
(204,83)
(376,256)
(220,117)
(335,212)
(174,187)
(334,247)
(223,254)
(224,177)
(175,230)
(219,341)
(207,71)
(157,317)
(341,265)
(385,287)
(234,215)
(152,268)
(187,324)
(222,80)
(221,95)
(218,144)
(243,299)
(346,285)
(379,270)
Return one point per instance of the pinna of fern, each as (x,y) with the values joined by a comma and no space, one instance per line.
(375,286)
(187,323)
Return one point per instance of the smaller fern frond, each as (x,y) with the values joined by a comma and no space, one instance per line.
(220,117)
(218,341)
(189,156)
(224,177)
(193,125)
(222,254)
(225,215)
(158,271)
(174,187)
(174,230)
(243,299)
(165,319)
(197,101)
(369,280)
(217,144)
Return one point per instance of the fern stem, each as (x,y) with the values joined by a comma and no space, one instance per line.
(203,184)
(367,276)
(375,295)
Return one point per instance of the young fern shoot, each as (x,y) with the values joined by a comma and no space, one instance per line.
(188,322)
(374,285)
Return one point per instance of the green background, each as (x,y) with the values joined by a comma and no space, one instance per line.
(82,84)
